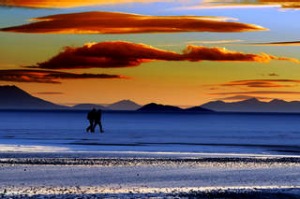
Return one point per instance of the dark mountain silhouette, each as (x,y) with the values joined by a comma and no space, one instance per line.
(197,109)
(254,105)
(124,105)
(88,107)
(152,107)
(12,97)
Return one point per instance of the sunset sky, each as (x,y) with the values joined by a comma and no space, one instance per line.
(176,52)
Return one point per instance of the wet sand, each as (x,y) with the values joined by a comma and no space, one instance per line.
(145,175)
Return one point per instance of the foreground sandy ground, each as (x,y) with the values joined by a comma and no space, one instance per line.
(146,176)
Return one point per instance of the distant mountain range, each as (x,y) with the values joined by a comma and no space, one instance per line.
(12,97)
(88,107)
(158,108)
(254,105)
(124,105)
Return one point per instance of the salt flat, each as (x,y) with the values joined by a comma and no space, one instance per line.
(149,175)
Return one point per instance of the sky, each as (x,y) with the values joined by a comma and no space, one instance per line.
(183,53)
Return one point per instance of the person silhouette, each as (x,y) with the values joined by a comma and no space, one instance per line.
(91,116)
(98,117)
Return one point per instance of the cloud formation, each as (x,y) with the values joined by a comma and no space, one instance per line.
(44,76)
(49,93)
(284,4)
(273,75)
(64,3)
(117,54)
(243,97)
(206,3)
(295,4)
(264,83)
(125,23)
(284,43)
(199,53)
(259,93)
(107,55)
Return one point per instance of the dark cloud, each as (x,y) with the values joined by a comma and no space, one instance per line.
(43,76)
(283,43)
(258,93)
(264,83)
(123,23)
(118,54)
(273,75)
(107,55)
(49,93)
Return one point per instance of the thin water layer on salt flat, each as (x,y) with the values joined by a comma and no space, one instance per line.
(129,193)
(161,178)
(143,175)
(156,171)
(212,133)
(139,176)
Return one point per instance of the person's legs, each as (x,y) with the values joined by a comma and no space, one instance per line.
(93,126)
(100,125)
(90,127)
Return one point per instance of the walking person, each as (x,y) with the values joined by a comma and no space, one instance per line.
(91,116)
(98,118)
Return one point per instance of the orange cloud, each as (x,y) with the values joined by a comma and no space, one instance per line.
(284,43)
(284,4)
(116,54)
(264,83)
(259,93)
(246,3)
(124,23)
(64,3)
(198,53)
(43,76)
(107,55)
(243,97)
